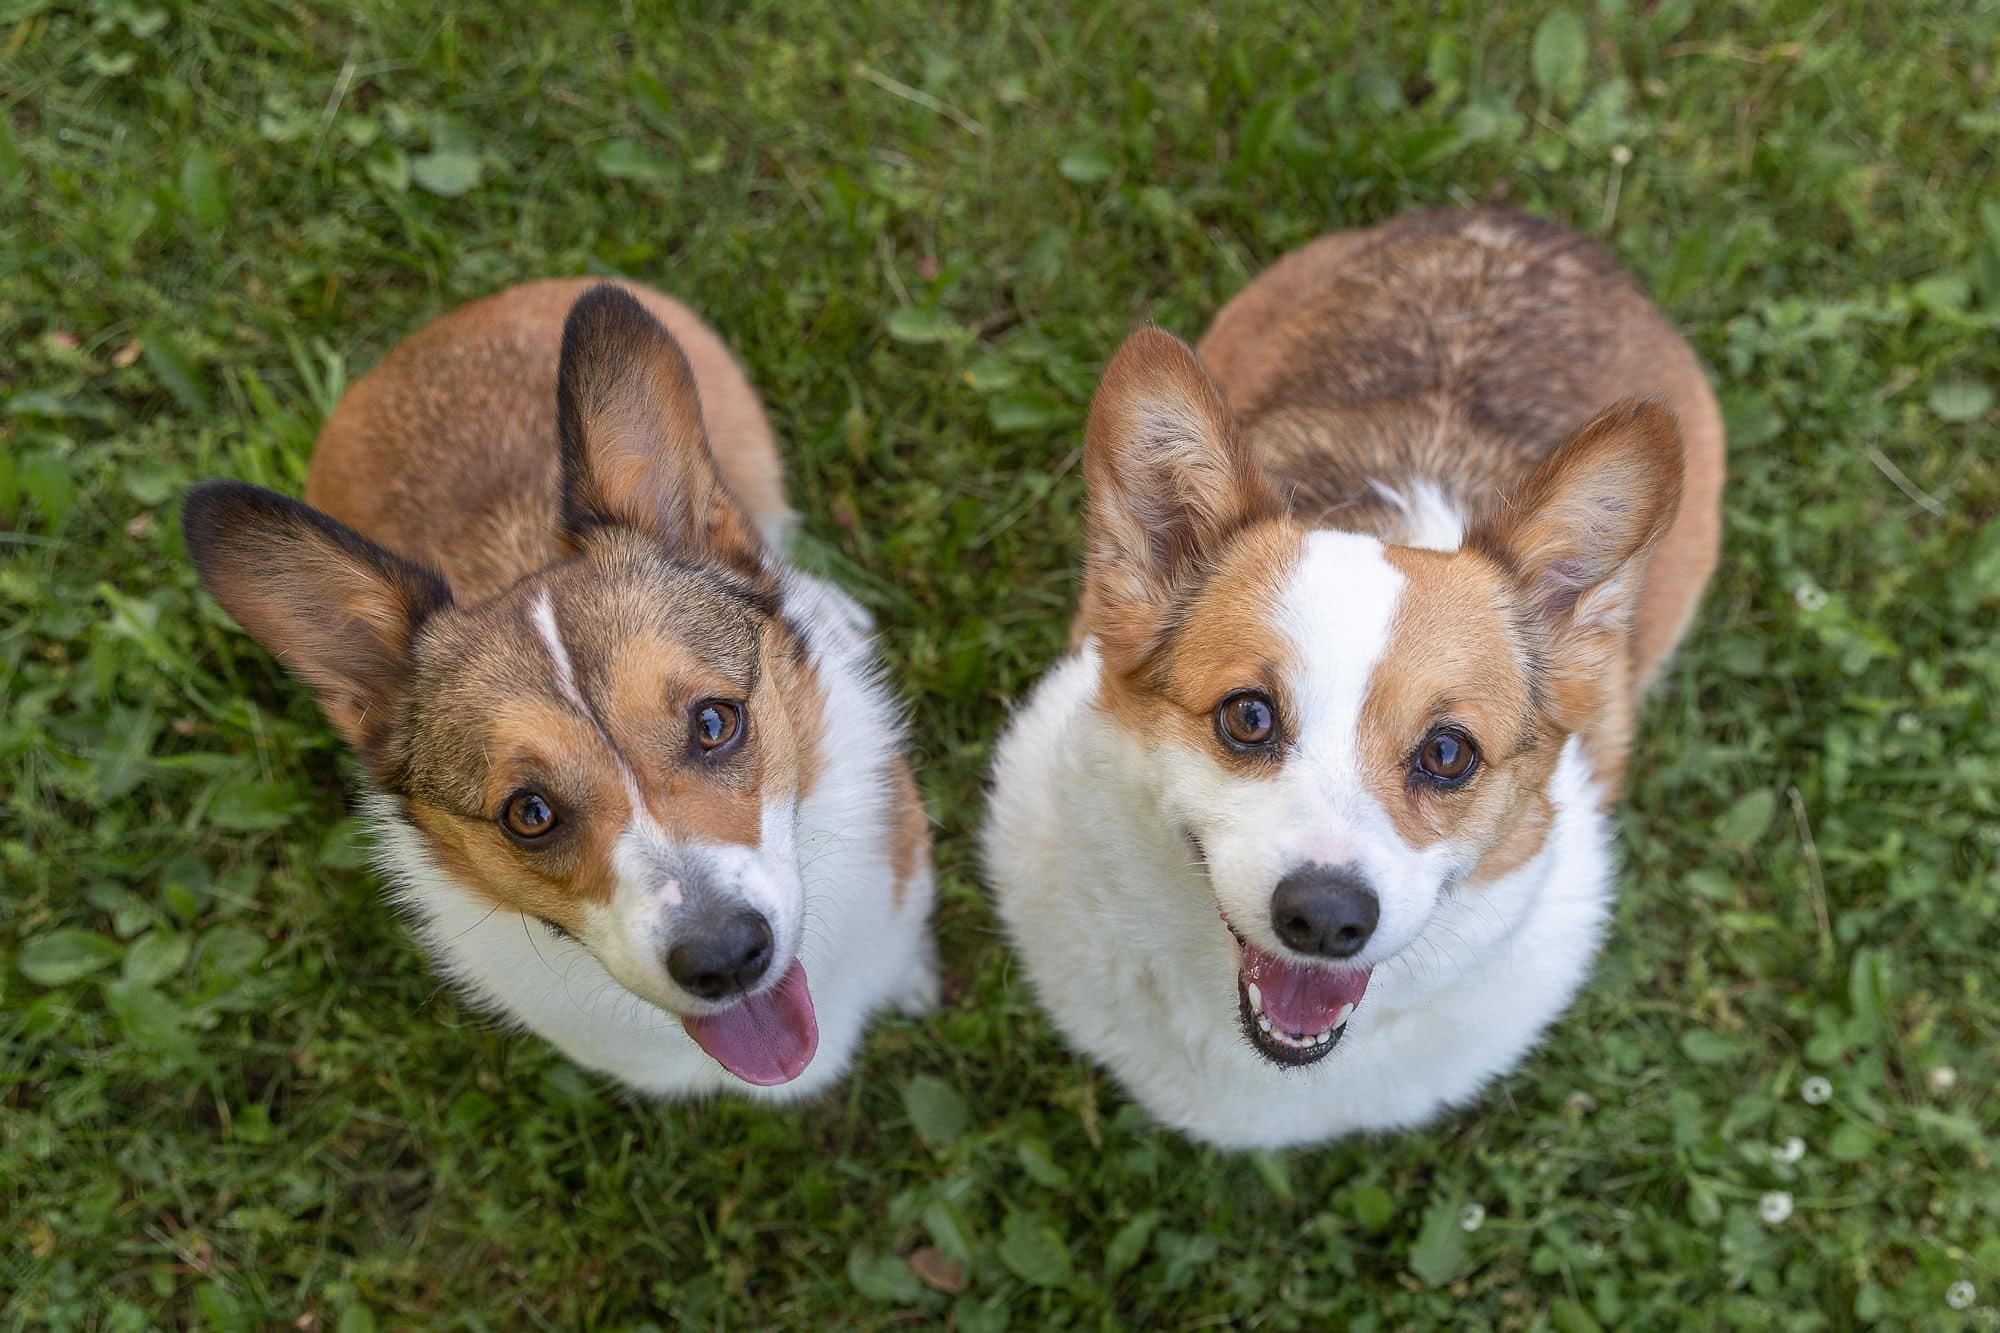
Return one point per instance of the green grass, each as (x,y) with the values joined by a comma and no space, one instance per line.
(231,1095)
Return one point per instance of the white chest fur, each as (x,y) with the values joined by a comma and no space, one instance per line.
(1122,942)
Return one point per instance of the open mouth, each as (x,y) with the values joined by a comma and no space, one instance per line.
(1294,1013)
(767,1038)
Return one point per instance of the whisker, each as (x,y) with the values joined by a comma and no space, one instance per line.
(533,944)
(474,926)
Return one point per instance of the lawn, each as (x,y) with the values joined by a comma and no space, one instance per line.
(231,1094)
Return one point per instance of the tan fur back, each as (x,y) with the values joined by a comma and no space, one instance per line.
(1459,348)
(447,453)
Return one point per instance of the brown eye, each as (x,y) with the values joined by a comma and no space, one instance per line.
(716,725)
(528,815)
(1448,756)
(1247,720)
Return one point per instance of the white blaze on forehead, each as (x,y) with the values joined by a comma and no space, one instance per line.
(1337,606)
(543,617)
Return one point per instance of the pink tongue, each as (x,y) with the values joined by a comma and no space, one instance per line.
(766,1038)
(1297,998)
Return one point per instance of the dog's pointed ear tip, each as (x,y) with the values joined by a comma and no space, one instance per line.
(217,493)
(605,313)
(1634,432)
(211,507)
(604,299)
(1156,372)
(1651,417)
(1152,346)
(1156,335)
(609,327)
(1660,444)
(202,503)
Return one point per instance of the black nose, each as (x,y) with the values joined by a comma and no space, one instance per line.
(1324,910)
(723,957)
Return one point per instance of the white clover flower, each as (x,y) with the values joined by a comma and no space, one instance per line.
(1960,1295)
(1471,1217)
(1775,1208)
(1809,596)
(1790,1151)
(1621,155)
(1816,1091)
(1942,1078)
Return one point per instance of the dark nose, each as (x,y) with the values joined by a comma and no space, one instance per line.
(1324,910)
(722,957)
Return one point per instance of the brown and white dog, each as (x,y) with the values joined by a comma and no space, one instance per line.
(1309,834)
(633,777)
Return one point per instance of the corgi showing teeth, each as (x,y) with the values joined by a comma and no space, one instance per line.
(636,782)
(1373,587)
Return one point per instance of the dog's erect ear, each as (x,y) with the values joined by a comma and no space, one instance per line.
(1170,480)
(634,450)
(339,611)
(1580,533)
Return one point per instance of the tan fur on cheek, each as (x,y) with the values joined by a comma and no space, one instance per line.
(1453,657)
(1524,832)
(790,690)
(703,801)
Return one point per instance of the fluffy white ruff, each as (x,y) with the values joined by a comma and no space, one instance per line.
(862,950)
(1119,933)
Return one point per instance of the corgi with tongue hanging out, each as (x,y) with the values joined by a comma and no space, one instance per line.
(636,781)
(1309,834)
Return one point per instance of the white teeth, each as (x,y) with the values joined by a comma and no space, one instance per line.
(1297,1040)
